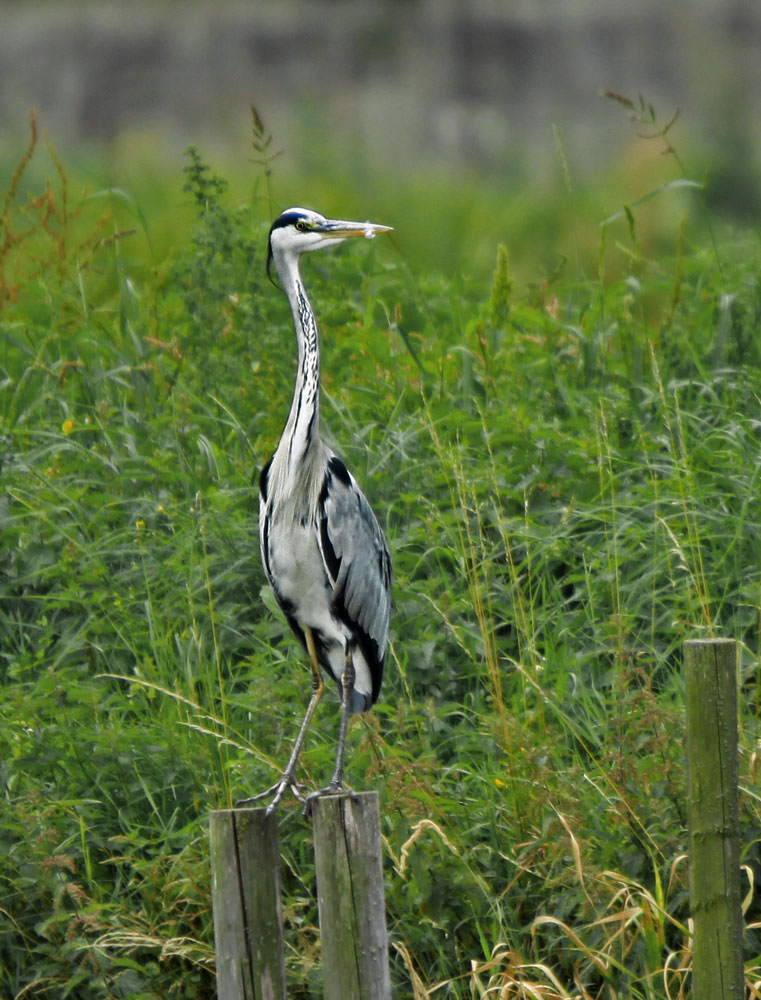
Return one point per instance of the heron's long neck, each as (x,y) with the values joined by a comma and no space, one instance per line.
(302,430)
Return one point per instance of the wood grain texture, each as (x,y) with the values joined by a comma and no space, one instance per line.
(248,925)
(713,818)
(351,898)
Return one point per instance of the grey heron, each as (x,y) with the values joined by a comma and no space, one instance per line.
(323,551)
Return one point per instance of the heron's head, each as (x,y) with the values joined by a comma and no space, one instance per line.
(298,230)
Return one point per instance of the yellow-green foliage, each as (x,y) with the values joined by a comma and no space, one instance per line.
(566,470)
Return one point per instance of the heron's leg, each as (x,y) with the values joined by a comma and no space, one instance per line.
(347,690)
(287,779)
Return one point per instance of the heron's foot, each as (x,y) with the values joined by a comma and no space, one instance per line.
(334,788)
(278,790)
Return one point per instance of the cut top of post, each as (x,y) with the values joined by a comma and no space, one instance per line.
(709,642)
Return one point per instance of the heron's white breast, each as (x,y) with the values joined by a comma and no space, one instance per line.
(297,571)
(296,567)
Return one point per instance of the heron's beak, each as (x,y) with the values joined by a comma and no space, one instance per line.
(336,229)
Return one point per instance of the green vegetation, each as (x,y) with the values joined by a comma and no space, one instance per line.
(566,467)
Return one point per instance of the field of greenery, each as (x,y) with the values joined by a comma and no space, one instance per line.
(559,431)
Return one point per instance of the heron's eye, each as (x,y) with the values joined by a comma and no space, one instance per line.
(302,226)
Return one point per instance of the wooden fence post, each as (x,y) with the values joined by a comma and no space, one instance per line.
(351,899)
(713,819)
(245,889)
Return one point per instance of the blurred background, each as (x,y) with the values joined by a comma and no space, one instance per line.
(477,97)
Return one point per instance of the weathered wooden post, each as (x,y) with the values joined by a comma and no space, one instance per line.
(713,819)
(248,925)
(350,895)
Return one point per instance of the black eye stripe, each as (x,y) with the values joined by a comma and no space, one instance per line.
(287,219)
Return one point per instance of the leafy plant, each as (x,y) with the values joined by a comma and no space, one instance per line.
(566,479)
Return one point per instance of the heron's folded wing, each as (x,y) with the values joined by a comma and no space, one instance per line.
(356,556)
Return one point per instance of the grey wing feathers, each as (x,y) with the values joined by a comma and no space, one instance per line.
(356,558)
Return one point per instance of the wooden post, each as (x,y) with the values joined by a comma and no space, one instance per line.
(713,819)
(350,895)
(245,888)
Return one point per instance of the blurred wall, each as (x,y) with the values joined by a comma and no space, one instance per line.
(478,82)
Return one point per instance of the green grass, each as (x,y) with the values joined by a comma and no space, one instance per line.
(566,467)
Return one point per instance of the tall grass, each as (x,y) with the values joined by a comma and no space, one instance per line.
(566,474)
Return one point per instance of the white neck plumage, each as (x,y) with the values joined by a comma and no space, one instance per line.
(301,437)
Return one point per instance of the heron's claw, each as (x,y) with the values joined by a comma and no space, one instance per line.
(333,788)
(286,783)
